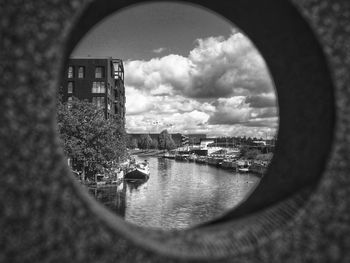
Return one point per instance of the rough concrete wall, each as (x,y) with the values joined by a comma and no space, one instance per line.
(46,217)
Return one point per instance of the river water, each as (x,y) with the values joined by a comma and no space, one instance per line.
(177,195)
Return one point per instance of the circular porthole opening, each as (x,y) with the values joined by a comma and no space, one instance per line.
(288,172)
(168,114)
(301,77)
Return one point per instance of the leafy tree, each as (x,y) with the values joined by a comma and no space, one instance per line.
(145,141)
(132,143)
(265,157)
(88,137)
(154,144)
(248,153)
(165,141)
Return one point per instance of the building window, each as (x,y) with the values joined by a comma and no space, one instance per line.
(98,87)
(99,72)
(70,87)
(70,72)
(99,101)
(81,72)
(69,102)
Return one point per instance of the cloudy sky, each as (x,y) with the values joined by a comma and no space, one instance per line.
(187,70)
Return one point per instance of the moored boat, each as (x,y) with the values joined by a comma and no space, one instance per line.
(192,157)
(140,171)
(243,166)
(259,168)
(229,163)
(201,159)
(243,170)
(169,155)
(215,160)
(181,157)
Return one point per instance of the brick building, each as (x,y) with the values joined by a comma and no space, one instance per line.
(97,80)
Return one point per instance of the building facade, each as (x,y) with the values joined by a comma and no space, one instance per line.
(97,80)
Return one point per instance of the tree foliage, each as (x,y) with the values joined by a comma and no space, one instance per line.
(154,144)
(87,136)
(134,143)
(131,143)
(145,141)
(248,153)
(165,141)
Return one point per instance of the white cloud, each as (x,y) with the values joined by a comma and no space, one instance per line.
(137,102)
(222,86)
(231,111)
(159,50)
(216,67)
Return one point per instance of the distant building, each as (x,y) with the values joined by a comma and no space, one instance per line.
(205,142)
(195,138)
(97,80)
(260,142)
(184,140)
(178,138)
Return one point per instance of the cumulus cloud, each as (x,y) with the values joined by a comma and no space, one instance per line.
(263,122)
(216,67)
(225,67)
(264,112)
(262,100)
(222,86)
(138,102)
(172,71)
(159,50)
(230,111)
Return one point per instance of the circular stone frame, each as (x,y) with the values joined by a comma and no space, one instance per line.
(305,96)
(52,212)
(304,87)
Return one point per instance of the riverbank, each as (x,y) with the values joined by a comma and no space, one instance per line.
(147,152)
(256,166)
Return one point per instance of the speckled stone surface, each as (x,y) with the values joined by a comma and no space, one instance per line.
(46,217)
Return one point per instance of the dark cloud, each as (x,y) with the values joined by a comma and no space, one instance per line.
(264,122)
(264,112)
(262,101)
(230,111)
(225,118)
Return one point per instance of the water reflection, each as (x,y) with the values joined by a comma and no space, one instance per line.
(112,197)
(134,185)
(177,195)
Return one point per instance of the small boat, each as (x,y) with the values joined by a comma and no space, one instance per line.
(259,168)
(243,166)
(243,170)
(100,179)
(182,157)
(168,155)
(201,159)
(138,172)
(229,163)
(192,157)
